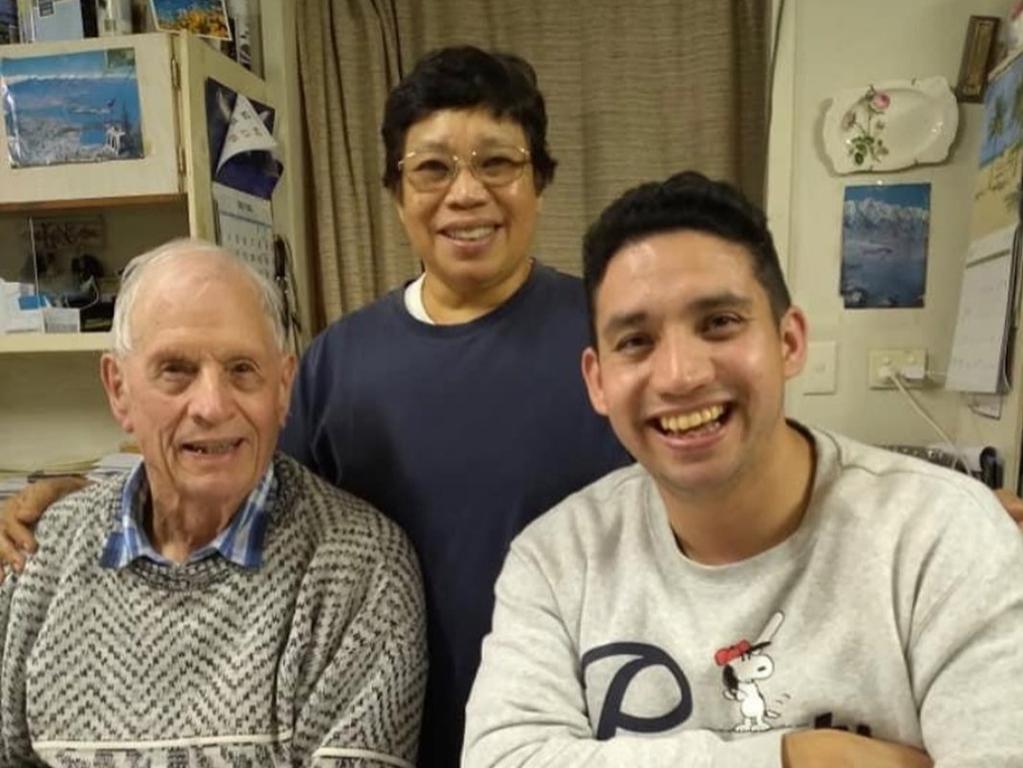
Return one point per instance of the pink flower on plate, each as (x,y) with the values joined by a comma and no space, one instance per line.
(880,101)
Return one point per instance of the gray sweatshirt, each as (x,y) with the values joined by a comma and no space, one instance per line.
(894,611)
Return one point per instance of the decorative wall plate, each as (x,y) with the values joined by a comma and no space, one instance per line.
(890,125)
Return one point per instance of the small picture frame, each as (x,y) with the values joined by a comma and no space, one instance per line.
(978,50)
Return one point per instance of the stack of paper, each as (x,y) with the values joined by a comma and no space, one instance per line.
(111,465)
(20,310)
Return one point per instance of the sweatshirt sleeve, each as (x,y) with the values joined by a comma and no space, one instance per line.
(966,664)
(364,708)
(528,709)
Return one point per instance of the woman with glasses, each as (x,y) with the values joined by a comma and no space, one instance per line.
(455,405)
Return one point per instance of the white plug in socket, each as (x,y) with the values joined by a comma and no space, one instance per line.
(910,364)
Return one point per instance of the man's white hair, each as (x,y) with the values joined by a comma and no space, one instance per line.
(138,268)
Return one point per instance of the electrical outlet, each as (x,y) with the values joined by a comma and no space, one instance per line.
(907,361)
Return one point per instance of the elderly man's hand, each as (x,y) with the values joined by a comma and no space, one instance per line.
(22,512)
(1013,504)
(837,749)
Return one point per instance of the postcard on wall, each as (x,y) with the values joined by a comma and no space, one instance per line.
(72,108)
(206,18)
(996,195)
(884,245)
(246,132)
(241,141)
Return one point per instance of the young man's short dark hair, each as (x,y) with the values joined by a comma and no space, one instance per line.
(687,200)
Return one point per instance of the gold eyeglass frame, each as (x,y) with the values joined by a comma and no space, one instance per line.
(458,163)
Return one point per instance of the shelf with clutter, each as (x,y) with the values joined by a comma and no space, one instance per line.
(107,150)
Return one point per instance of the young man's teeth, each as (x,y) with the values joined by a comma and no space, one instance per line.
(687,421)
(476,233)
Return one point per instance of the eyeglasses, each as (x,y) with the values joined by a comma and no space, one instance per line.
(432,170)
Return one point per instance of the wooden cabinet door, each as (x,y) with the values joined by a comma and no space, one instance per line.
(199,63)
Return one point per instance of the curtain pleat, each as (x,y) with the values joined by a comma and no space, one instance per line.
(349,60)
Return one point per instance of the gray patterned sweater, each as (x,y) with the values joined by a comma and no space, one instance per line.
(316,658)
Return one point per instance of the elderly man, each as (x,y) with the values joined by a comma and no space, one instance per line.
(220,605)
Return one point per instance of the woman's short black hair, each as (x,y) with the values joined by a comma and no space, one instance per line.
(466,77)
(685,201)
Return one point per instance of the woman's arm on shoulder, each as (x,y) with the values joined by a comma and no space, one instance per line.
(21,513)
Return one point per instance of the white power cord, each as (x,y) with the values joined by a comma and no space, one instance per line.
(895,378)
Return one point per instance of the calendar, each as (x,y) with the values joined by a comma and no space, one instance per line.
(245,226)
(980,345)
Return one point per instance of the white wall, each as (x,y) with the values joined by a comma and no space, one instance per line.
(53,411)
(827,46)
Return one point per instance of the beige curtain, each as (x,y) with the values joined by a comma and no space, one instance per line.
(348,61)
(635,91)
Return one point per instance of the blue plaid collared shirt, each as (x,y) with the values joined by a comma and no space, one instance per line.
(241,541)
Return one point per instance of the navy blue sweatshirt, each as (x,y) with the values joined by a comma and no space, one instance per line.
(462,434)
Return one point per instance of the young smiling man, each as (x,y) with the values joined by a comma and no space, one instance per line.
(753,592)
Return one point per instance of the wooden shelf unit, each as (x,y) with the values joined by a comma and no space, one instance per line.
(52,405)
(24,343)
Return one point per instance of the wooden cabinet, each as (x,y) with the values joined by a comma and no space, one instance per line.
(157,175)
(51,404)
